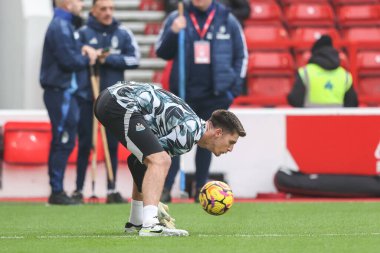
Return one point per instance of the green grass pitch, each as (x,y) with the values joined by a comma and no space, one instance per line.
(247,227)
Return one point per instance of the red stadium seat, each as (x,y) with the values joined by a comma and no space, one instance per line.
(368,90)
(288,2)
(359,15)
(266,37)
(362,35)
(347,2)
(266,91)
(309,14)
(270,63)
(151,5)
(368,63)
(308,35)
(303,57)
(27,142)
(264,13)
(269,86)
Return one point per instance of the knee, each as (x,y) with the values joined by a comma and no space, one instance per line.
(161,160)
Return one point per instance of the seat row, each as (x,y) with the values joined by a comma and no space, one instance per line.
(28,143)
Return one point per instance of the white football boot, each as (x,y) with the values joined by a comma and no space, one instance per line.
(161,230)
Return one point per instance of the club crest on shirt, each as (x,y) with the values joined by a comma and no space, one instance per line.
(114,42)
(93,41)
(139,127)
(221,34)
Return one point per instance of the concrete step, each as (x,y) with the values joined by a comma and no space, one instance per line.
(119,4)
(146,39)
(136,15)
(139,75)
(152,63)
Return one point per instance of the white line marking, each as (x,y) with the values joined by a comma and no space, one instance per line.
(11,237)
(200,235)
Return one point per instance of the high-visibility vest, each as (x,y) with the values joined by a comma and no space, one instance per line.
(324,88)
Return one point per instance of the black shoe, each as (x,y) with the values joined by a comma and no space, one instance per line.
(77,196)
(115,198)
(165,196)
(132,228)
(61,198)
(196,196)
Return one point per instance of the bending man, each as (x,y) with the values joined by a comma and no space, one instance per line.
(155,125)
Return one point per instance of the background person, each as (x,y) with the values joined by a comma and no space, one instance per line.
(118,51)
(216,61)
(155,125)
(63,70)
(323,82)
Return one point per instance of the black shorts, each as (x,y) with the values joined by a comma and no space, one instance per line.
(129,127)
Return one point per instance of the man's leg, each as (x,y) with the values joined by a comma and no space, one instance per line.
(84,143)
(173,170)
(64,114)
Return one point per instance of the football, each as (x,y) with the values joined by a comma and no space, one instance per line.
(216,197)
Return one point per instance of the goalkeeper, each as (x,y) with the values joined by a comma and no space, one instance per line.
(155,125)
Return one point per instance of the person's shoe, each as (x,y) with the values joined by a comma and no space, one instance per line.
(77,196)
(61,198)
(196,195)
(160,230)
(115,198)
(132,228)
(165,196)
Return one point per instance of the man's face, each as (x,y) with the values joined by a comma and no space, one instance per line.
(103,11)
(75,6)
(224,142)
(201,4)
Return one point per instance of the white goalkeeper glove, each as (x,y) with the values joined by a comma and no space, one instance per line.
(164,216)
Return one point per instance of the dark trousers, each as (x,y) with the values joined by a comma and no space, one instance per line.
(63,112)
(203,108)
(85,144)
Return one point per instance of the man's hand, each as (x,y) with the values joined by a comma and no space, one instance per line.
(91,53)
(164,217)
(178,24)
(102,55)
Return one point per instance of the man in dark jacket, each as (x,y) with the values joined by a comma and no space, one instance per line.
(118,51)
(323,82)
(63,69)
(216,61)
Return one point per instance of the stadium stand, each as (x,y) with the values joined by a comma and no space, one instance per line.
(358,15)
(281,30)
(264,13)
(309,14)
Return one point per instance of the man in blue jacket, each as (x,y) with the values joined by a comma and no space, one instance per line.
(118,51)
(216,61)
(63,68)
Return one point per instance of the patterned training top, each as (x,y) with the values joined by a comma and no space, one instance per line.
(175,124)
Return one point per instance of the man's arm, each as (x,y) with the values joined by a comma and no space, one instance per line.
(65,48)
(351,98)
(167,43)
(129,58)
(296,97)
(240,56)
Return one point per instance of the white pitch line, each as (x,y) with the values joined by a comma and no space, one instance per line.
(294,235)
(200,235)
(11,237)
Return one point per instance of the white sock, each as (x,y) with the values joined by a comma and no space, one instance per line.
(150,213)
(136,216)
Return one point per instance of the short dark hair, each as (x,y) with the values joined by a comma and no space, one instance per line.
(227,121)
